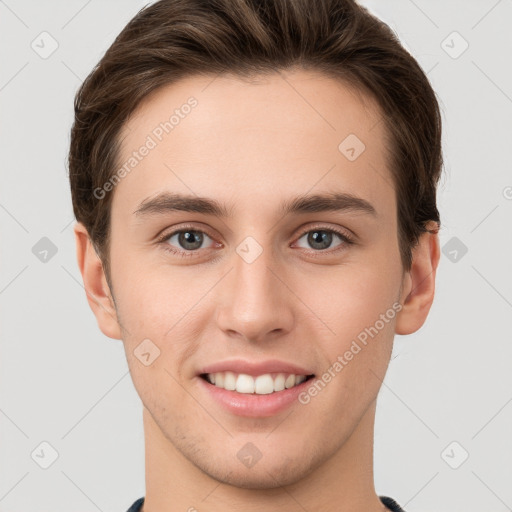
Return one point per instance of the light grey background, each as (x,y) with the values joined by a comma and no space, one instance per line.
(62,382)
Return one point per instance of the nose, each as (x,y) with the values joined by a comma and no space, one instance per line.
(255,300)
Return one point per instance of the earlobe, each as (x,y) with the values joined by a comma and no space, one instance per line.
(419,284)
(96,287)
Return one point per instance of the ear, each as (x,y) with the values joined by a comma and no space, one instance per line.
(95,284)
(419,283)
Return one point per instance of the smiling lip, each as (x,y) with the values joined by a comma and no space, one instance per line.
(252,404)
(255,368)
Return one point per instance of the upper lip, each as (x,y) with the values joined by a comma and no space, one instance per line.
(255,368)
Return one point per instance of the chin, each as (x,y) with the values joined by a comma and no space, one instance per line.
(265,474)
(262,479)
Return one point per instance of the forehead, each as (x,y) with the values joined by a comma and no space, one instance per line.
(253,138)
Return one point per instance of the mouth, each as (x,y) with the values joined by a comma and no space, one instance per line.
(264,384)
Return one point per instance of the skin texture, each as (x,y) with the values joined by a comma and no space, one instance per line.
(252,145)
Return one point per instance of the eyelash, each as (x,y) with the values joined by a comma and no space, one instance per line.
(346,239)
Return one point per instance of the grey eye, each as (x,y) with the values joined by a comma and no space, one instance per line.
(320,238)
(188,239)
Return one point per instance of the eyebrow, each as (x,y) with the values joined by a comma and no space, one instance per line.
(337,202)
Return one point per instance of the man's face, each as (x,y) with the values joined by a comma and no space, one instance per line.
(258,284)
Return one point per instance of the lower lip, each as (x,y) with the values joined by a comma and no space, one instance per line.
(254,405)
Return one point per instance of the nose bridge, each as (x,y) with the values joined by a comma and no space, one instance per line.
(252,270)
(256,303)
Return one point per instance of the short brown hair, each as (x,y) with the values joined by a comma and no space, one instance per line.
(172,39)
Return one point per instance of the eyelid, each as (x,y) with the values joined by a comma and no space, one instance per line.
(342,232)
(165,234)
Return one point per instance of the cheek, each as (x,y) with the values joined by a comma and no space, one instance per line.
(149,299)
(349,299)
(355,336)
(158,339)
(164,308)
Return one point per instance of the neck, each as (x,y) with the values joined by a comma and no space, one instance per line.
(341,483)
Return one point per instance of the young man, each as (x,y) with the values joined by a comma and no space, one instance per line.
(255,189)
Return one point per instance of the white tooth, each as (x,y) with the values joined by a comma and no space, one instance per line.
(219,379)
(299,379)
(264,384)
(261,385)
(290,381)
(245,383)
(279,382)
(229,381)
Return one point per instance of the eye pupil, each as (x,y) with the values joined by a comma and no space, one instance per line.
(324,238)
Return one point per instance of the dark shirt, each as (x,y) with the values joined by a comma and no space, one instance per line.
(388,502)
